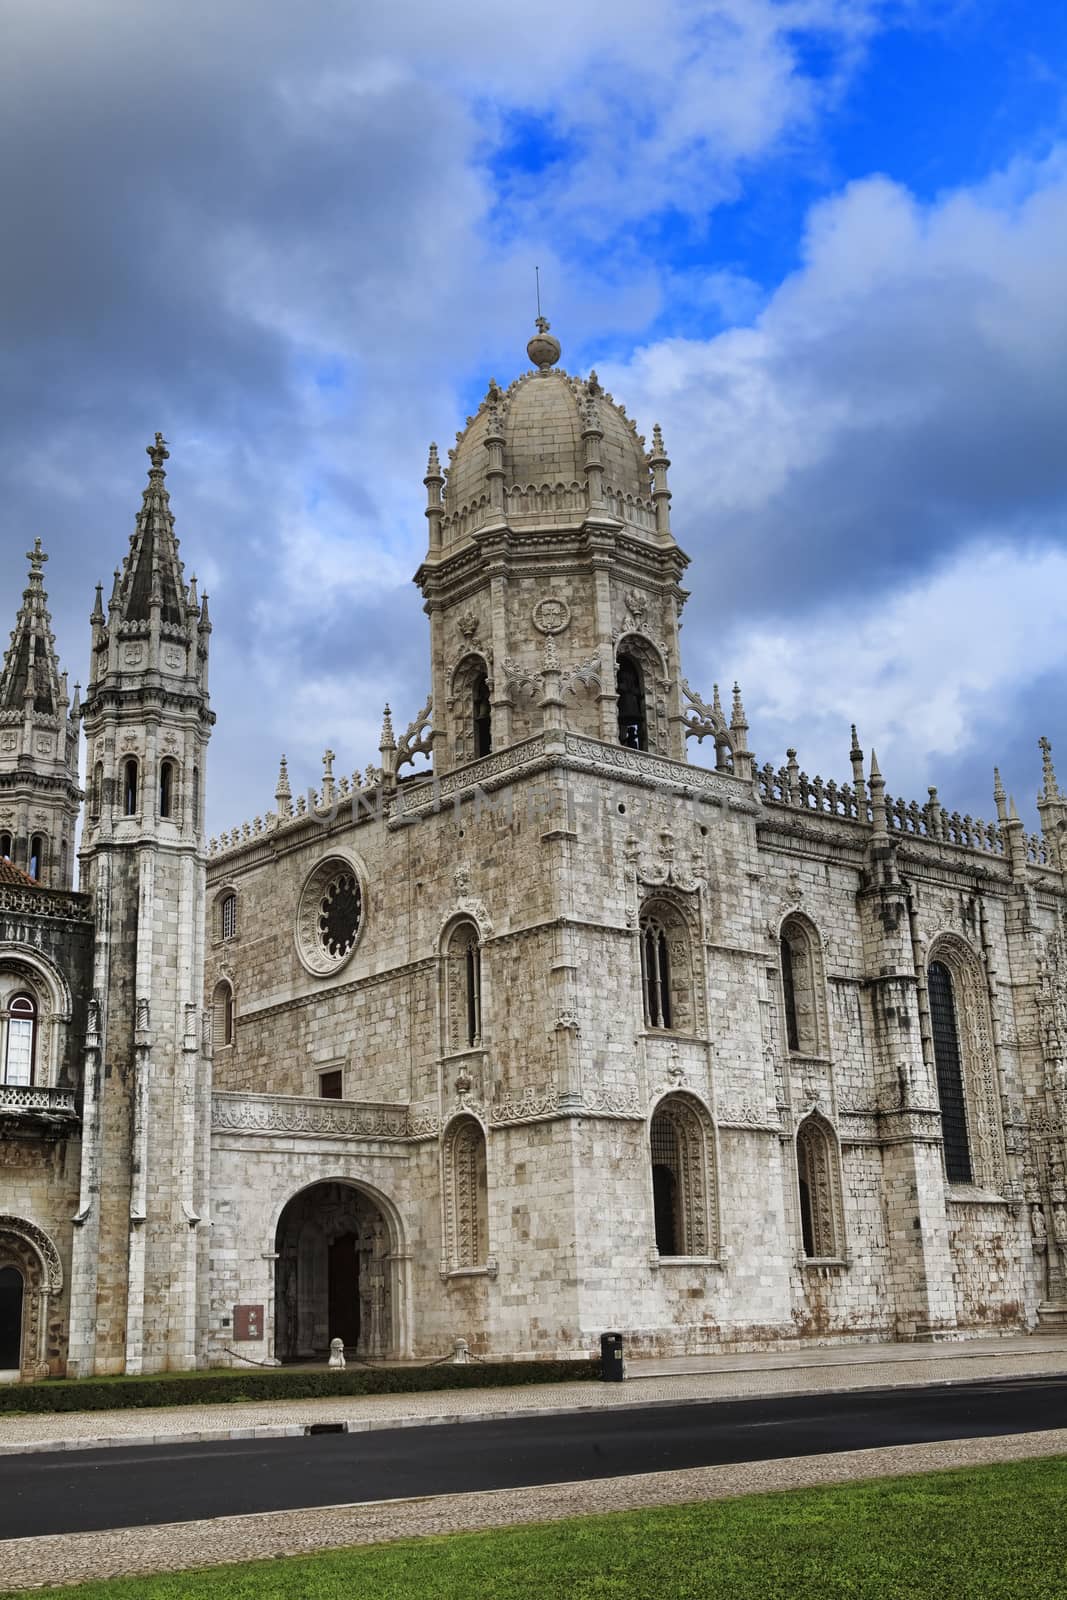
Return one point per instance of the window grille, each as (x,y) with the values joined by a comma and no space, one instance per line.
(228,916)
(682,1190)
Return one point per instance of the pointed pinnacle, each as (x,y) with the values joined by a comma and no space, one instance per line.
(998,787)
(158,453)
(738,718)
(716,703)
(1013,810)
(433,464)
(388,738)
(36,557)
(855,742)
(1052,788)
(876,771)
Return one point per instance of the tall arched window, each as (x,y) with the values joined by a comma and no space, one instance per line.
(37,856)
(196,797)
(656,974)
(482,712)
(818,1174)
(6,843)
(466,1195)
(227,915)
(949,1066)
(222,1015)
(20,1039)
(129,787)
(167,771)
(96,793)
(633,717)
(463,983)
(803,988)
(667,987)
(683,1189)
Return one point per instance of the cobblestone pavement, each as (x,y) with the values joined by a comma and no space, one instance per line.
(76,1558)
(719,1377)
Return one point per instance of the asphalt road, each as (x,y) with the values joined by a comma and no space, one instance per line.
(79,1490)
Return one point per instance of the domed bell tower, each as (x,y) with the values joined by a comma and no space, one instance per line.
(147,1096)
(552,579)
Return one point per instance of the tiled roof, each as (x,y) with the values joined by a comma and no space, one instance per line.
(9,873)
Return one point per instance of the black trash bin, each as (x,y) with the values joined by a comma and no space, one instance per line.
(611,1363)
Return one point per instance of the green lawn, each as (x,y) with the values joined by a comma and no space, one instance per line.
(995,1532)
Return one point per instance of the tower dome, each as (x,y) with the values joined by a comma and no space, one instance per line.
(526,455)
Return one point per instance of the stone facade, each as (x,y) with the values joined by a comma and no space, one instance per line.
(533,1028)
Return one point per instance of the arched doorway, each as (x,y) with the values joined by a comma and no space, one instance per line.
(334,1276)
(11,1297)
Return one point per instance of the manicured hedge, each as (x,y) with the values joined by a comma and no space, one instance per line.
(229,1384)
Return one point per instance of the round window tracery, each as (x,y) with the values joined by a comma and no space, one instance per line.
(330,917)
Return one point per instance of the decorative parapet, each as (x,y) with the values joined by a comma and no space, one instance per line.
(297,1116)
(789,786)
(16,901)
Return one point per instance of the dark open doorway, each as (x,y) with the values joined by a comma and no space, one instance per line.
(11,1290)
(343,1293)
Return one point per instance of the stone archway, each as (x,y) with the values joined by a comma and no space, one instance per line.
(28,1255)
(335,1276)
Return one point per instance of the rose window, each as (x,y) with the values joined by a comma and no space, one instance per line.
(330,916)
(339,916)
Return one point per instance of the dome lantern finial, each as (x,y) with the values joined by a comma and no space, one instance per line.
(543,349)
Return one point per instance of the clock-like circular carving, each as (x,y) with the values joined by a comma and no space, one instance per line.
(330,916)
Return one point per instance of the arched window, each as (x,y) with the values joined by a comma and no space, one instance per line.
(667,988)
(129,787)
(167,771)
(683,1190)
(803,988)
(463,982)
(227,915)
(818,1175)
(466,1196)
(96,792)
(949,1066)
(633,718)
(37,856)
(222,1015)
(20,1039)
(656,974)
(5,846)
(483,715)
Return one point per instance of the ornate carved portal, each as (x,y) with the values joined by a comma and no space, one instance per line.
(334,1276)
(30,1276)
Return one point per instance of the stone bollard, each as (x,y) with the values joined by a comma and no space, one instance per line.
(337,1353)
(460,1353)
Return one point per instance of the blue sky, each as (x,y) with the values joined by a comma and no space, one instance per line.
(822,241)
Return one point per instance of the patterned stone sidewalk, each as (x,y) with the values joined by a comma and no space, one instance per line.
(695,1378)
(175,1547)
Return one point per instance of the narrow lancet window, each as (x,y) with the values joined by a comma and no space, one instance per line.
(37,856)
(129,787)
(166,789)
(949,1067)
(483,716)
(630,688)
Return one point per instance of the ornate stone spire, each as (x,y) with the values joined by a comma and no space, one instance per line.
(40,796)
(1052,809)
(152,575)
(283,794)
(31,682)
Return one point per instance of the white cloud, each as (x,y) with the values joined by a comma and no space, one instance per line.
(919,672)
